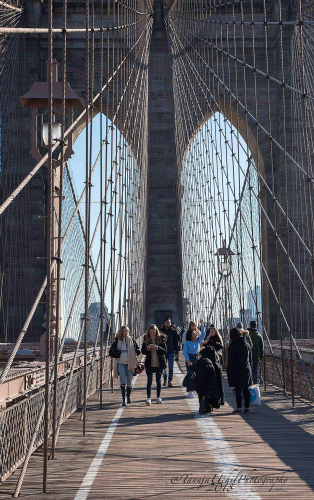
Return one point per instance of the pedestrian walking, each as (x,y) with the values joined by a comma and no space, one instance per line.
(208,330)
(191,347)
(192,326)
(257,348)
(214,339)
(124,350)
(155,348)
(245,333)
(209,383)
(239,369)
(172,349)
(182,331)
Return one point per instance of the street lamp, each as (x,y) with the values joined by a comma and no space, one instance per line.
(38,97)
(224,269)
(224,262)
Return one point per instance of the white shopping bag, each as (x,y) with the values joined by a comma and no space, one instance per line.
(255,395)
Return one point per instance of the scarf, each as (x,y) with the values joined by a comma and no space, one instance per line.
(132,361)
(236,338)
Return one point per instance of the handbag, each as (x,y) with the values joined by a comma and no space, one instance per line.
(189,381)
(139,368)
(115,353)
(255,395)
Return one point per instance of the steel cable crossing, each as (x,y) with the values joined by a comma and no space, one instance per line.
(234,185)
(110,285)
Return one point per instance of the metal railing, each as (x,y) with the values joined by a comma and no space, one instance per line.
(17,423)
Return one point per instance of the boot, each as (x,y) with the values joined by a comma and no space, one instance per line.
(128,392)
(123,395)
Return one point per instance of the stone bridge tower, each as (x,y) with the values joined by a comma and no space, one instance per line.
(164,284)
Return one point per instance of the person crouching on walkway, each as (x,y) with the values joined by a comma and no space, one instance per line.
(155,348)
(191,347)
(125,365)
(239,368)
(209,384)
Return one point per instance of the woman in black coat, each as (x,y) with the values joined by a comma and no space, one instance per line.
(214,339)
(239,369)
(155,349)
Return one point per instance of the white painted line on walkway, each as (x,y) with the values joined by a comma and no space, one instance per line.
(226,461)
(91,474)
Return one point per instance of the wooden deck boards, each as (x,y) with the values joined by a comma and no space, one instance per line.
(156,451)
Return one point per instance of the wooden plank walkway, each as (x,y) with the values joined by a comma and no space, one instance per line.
(167,451)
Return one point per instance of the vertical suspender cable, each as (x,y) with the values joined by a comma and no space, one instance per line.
(50,239)
(60,195)
(87,220)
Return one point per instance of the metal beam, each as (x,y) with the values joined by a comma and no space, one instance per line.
(10,7)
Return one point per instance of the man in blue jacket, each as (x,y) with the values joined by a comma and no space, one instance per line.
(172,349)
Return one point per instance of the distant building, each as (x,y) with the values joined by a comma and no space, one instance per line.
(94,319)
(246,317)
(254,303)
(232,322)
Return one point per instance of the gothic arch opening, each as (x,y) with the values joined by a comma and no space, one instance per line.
(220,203)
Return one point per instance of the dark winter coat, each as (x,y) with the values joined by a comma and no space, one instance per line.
(172,339)
(161,352)
(258,345)
(239,368)
(214,341)
(114,345)
(205,380)
(209,353)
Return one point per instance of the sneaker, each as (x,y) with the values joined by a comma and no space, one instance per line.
(148,402)
(246,410)
(170,384)
(237,410)
(165,383)
(159,401)
(191,395)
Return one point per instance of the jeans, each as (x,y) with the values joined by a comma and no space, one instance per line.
(254,373)
(188,368)
(125,374)
(150,381)
(246,394)
(170,359)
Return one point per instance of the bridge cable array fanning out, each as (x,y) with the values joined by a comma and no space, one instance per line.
(243,105)
(241,179)
(112,229)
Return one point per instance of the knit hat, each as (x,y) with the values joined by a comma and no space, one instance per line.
(240,325)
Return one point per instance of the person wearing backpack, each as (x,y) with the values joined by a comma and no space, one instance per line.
(257,348)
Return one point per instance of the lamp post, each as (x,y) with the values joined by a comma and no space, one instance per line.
(224,269)
(52,105)
(37,98)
